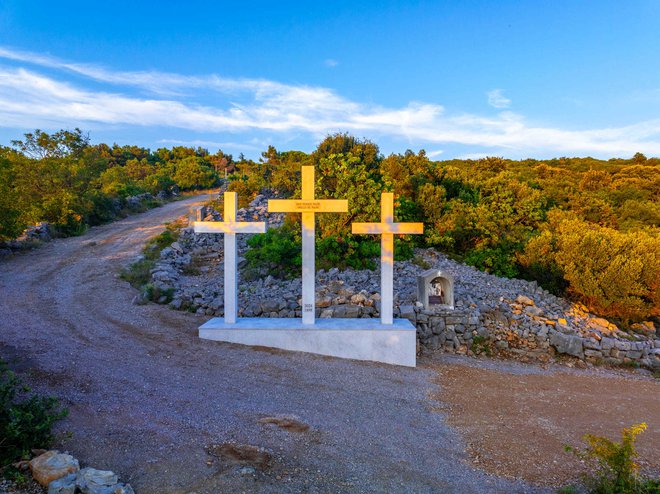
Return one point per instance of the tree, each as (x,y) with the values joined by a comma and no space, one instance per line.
(65,143)
(365,151)
(193,173)
(10,226)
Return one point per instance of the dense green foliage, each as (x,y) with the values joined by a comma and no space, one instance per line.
(63,179)
(278,251)
(579,226)
(26,420)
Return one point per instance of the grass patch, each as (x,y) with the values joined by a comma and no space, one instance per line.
(138,274)
(419,260)
(480,345)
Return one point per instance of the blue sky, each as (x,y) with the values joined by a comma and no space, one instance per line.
(458,79)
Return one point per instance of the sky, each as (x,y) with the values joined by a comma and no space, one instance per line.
(460,79)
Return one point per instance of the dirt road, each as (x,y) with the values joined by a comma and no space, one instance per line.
(169,412)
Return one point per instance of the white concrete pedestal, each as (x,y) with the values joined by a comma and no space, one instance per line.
(360,339)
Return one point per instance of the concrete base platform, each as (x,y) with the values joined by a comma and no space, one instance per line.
(360,339)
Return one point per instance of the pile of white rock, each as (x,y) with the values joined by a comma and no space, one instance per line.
(60,473)
(31,236)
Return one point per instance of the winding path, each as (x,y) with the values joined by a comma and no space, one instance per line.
(147,397)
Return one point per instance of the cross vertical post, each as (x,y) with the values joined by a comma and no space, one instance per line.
(308,206)
(387,229)
(230,227)
(308,249)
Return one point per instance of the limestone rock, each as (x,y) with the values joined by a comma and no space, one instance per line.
(52,465)
(523,300)
(63,485)
(568,344)
(646,328)
(93,481)
(533,311)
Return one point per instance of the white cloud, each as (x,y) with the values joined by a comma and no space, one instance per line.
(496,99)
(434,154)
(330,62)
(29,98)
(257,146)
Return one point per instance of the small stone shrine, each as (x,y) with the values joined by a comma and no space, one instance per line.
(435,289)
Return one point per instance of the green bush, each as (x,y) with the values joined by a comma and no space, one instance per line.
(26,420)
(354,252)
(499,260)
(278,251)
(615,470)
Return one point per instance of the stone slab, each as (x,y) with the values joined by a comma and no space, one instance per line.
(360,339)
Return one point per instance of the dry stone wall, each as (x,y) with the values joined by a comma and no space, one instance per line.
(492,315)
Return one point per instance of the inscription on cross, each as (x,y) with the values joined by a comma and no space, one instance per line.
(387,229)
(308,206)
(230,227)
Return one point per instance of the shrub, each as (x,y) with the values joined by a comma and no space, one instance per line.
(615,470)
(613,273)
(278,251)
(354,252)
(26,420)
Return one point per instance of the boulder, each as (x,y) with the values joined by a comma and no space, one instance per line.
(568,344)
(93,481)
(63,485)
(52,465)
(523,300)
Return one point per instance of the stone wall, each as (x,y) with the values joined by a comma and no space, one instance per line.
(529,336)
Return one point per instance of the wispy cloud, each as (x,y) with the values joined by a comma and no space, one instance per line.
(252,146)
(330,62)
(496,99)
(32,97)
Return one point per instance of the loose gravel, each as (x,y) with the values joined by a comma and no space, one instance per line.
(152,402)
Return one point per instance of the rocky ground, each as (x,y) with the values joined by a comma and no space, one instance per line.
(170,413)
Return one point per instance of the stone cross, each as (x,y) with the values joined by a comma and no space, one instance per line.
(230,227)
(308,206)
(386,229)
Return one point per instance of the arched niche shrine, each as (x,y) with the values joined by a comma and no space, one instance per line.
(435,288)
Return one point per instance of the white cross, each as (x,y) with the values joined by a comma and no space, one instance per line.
(387,229)
(230,227)
(308,206)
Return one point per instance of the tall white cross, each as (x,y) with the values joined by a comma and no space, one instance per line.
(387,229)
(308,206)
(230,227)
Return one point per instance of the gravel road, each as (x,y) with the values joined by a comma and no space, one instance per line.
(172,414)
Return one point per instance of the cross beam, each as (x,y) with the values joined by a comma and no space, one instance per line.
(230,227)
(387,229)
(308,206)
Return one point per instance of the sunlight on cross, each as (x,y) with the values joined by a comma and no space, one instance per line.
(230,227)
(387,229)
(308,206)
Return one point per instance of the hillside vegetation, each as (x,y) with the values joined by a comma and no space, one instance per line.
(581,227)
(62,179)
